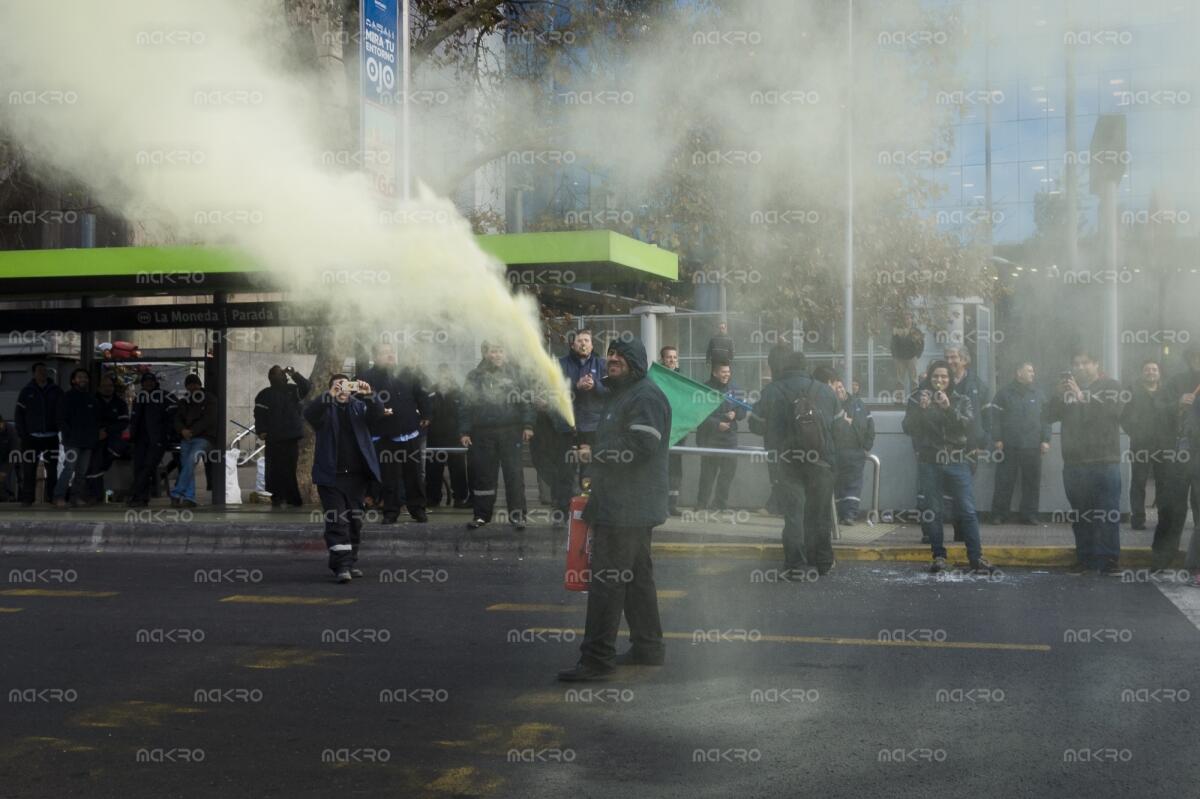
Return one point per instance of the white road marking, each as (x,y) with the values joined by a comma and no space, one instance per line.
(1184,597)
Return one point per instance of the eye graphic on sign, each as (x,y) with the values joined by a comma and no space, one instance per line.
(381,76)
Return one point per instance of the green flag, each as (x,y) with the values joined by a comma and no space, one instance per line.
(691,402)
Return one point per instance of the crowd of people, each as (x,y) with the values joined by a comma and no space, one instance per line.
(816,431)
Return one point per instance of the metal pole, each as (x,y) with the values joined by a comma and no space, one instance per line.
(405,44)
(848,315)
(1111,333)
(1069,170)
(220,386)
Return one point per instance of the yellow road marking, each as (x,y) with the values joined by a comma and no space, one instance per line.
(821,639)
(464,781)
(11,610)
(534,606)
(59,592)
(284,658)
(130,714)
(276,599)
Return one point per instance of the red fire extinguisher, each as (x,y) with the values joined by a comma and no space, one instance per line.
(579,547)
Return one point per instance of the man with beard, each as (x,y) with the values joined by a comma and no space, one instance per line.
(628,500)
(584,370)
(277,422)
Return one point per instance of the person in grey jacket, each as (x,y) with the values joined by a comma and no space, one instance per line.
(629,471)
(1021,438)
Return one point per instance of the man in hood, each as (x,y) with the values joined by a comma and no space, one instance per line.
(277,423)
(629,473)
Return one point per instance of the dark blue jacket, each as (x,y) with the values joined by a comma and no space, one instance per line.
(113,417)
(152,418)
(629,468)
(855,430)
(1016,417)
(79,419)
(709,433)
(589,405)
(321,413)
(401,391)
(37,409)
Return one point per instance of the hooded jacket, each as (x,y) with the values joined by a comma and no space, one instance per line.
(940,435)
(588,405)
(37,410)
(1016,416)
(321,413)
(277,409)
(776,406)
(630,463)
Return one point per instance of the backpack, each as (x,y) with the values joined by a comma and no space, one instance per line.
(806,429)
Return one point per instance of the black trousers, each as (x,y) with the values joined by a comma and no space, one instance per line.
(282,455)
(622,581)
(402,464)
(1028,464)
(492,450)
(436,465)
(147,455)
(34,449)
(848,482)
(568,472)
(674,480)
(342,506)
(1139,474)
(716,475)
(806,491)
(1172,494)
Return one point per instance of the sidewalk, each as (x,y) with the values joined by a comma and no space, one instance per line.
(732,534)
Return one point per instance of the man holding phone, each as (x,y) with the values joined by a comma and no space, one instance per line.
(344,461)
(1089,407)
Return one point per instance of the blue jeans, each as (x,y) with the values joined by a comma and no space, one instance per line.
(189,452)
(1094,491)
(955,481)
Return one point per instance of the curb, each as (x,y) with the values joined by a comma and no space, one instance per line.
(452,539)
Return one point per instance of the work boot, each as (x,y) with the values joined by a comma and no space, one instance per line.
(356,573)
(1138,523)
(981,566)
(1079,568)
(418,515)
(475,524)
(585,673)
(343,576)
(938,565)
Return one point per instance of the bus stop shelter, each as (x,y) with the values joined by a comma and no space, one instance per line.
(74,279)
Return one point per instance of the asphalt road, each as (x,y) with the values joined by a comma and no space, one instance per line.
(439,681)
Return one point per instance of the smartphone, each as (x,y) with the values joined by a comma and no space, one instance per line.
(1067,375)
(351,386)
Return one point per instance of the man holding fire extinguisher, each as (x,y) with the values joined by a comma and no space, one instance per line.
(628,468)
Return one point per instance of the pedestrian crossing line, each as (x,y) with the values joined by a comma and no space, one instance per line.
(1185,598)
(699,636)
(11,610)
(57,592)
(279,599)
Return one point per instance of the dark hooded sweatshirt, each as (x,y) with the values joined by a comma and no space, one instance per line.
(630,454)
